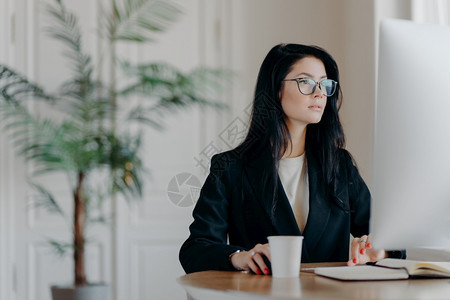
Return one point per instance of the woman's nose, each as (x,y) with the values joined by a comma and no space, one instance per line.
(317,91)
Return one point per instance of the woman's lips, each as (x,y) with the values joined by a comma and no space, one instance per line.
(315,107)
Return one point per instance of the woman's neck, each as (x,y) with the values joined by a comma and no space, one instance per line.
(298,137)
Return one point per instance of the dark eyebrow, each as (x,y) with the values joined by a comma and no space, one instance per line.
(308,75)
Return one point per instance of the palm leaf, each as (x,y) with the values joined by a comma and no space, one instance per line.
(60,248)
(46,200)
(35,138)
(66,146)
(15,87)
(172,90)
(67,30)
(139,20)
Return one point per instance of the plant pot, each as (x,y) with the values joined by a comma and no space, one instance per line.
(86,292)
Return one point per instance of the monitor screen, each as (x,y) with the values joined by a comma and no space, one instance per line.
(411,164)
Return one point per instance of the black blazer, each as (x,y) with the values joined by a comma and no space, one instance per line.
(236,205)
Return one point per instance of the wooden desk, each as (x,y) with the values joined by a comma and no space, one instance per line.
(219,285)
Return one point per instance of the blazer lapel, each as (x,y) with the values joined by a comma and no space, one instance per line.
(319,209)
(284,220)
(262,184)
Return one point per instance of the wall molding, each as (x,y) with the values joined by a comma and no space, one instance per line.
(8,273)
(143,263)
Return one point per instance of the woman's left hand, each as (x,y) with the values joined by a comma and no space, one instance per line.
(362,252)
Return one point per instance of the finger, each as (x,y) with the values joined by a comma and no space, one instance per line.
(368,244)
(363,244)
(257,258)
(253,266)
(264,249)
(363,241)
(352,261)
(364,257)
(354,251)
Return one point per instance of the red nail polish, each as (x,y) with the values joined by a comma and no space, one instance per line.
(266,271)
(362,251)
(355,260)
(368,245)
(258,272)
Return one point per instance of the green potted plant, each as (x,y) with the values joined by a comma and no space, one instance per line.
(88,132)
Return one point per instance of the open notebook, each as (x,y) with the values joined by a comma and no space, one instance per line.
(388,269)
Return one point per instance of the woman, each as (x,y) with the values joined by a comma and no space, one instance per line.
(290,176)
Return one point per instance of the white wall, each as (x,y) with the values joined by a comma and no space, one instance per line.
(357,69)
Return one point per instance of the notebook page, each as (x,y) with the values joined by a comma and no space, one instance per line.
(361,273)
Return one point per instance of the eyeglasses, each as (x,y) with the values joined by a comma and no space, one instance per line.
(307,86)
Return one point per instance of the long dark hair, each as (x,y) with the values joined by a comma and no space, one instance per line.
(268,128)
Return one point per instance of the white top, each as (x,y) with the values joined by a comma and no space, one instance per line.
(296,187)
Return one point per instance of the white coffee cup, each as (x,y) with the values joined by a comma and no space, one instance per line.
(285,255)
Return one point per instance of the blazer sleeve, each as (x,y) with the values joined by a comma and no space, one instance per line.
(360,198)
(207,248)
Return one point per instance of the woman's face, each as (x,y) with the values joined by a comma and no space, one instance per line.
(303,109)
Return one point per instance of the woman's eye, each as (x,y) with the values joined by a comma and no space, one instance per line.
(305,82)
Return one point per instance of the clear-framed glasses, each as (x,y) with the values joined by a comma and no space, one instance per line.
(307,86)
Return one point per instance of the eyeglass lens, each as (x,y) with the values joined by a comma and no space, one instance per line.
(307,86)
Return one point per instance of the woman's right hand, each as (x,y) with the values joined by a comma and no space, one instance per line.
(362,252)
(252,259)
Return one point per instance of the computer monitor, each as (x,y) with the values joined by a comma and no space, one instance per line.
(411,164)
